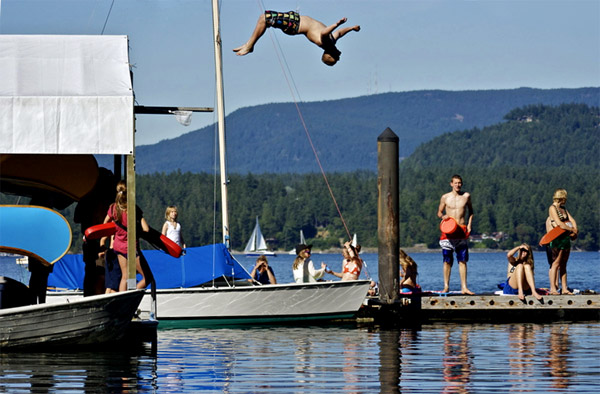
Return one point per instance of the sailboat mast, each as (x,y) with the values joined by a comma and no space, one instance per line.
(221,120)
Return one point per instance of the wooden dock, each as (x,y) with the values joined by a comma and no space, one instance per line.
(482,308)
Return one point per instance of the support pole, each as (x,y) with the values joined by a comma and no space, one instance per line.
(131,222)
(221,121)
(388,229)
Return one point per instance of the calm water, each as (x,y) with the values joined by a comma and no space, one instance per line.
(440,358)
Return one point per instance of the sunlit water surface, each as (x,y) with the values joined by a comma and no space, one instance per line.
(559,357)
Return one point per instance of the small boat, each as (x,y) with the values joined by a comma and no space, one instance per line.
(90,321)
(302,242)
(208,287)
(257,245)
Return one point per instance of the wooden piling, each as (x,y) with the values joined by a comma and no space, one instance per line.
(387,215)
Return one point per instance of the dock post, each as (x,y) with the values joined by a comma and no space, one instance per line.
(387,215)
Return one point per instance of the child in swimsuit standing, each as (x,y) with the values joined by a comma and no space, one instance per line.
(172,229)
(291,23)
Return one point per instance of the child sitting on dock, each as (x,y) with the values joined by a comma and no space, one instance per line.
(408,274)
(292,23)
(520,280)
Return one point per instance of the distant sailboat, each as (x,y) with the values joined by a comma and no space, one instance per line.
(257,244)
(302,241)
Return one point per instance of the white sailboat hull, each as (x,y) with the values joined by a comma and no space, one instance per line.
(255,304)
(267,253)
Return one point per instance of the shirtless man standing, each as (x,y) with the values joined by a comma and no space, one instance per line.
(455,204)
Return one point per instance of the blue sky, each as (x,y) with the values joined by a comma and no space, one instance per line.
(403,45)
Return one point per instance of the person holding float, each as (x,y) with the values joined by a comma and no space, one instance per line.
(455,233)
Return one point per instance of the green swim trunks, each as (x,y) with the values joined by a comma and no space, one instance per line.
(288,22)
(562,243)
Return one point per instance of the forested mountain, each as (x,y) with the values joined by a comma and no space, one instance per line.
(270,138)
(511,170)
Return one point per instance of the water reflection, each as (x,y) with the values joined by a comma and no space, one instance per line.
(522,354)
(390,360)
(457,360)
(559,354)
(78,372)
(438,358)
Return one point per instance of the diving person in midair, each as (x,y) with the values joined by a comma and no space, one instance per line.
(292,23)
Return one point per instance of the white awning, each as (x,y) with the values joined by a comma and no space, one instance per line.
(65,94)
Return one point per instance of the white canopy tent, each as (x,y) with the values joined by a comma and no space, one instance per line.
(65,94)
(69,94)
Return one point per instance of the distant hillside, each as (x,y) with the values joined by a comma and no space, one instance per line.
(270,137)
(536,135)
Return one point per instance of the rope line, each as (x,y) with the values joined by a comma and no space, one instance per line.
(287,79)
(107,16)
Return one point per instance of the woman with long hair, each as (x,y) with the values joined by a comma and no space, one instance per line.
(303,268)
(520,276)
(117,213)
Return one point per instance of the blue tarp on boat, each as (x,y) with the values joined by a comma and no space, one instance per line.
(198,266)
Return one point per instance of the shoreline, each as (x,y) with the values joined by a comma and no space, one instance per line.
(408,250)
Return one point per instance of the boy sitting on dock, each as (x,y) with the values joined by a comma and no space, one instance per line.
(292,23)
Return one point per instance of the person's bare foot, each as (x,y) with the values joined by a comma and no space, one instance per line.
(566,292)
(467,291)
(243,50)
(522,297)
(356,28)
(537,296)
(445,290)
(553,292)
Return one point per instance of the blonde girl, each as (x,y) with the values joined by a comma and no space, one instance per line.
(172,229)
(560,248)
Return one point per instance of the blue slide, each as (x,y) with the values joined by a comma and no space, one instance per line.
(34,231)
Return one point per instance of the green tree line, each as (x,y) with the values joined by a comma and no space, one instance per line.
(510,169)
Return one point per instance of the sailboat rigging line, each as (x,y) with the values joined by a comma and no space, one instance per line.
(107,16)
(215,185)
(279,58)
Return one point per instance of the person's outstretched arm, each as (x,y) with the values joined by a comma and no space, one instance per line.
(329,29)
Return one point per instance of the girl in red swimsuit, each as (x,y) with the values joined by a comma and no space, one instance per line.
(352,264)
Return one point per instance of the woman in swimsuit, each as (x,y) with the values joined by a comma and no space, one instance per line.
(561,247)
(351,266)
(520,279)
(408,273)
